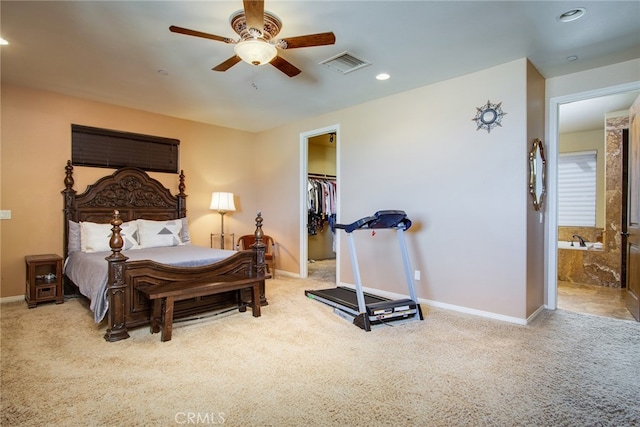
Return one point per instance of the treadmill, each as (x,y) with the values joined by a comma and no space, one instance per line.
(362,308)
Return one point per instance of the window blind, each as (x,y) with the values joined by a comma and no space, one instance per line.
(577,189)
(114,149)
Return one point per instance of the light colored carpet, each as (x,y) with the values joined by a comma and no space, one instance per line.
(299,364)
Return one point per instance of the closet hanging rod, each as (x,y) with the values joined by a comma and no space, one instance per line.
(321,175)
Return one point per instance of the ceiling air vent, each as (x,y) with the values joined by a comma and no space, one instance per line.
(344,63)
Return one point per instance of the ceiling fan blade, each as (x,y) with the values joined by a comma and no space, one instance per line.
(254,14)
(227,64)
(285,66)
(194,33)
(320,39)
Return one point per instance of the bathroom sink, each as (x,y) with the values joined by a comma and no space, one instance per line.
(597,246)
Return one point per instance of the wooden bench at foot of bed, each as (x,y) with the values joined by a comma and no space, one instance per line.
(164,295)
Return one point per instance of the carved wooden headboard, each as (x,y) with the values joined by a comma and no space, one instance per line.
(129,190)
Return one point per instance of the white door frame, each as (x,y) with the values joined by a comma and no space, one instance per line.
(551,232)
(304,171)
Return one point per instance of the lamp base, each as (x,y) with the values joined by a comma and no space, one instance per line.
(219,240)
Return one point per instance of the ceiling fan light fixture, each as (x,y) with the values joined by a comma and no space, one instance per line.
(256,52)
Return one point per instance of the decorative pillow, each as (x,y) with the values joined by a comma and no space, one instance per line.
(73,233)
(95,237)
(185,237)
(130,234)
(155,234)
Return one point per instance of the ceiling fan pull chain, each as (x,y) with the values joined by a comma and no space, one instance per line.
(253,78)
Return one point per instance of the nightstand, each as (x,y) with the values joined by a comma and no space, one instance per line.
(44,279)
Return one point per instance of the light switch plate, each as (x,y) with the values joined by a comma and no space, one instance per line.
(5,214)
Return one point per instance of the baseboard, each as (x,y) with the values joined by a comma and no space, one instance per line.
(12,299)
(452,307)
(287,274)
(473,311)
(536,313)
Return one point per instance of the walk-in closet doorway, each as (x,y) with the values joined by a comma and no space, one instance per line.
(319,201)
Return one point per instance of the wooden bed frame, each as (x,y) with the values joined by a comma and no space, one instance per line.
(128,194)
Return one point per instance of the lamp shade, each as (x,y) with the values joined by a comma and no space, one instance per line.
(222,202)
(256,52)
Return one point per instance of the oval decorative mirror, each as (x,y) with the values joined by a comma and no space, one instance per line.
(537,174)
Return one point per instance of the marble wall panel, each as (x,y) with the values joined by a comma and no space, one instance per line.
(600,267)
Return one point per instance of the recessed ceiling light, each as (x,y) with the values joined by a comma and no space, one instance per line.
(163,72)
(383,76)
(572,15)
(572,58)
(3,42)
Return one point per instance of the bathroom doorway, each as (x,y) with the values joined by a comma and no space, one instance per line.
(319,207)
(590,275)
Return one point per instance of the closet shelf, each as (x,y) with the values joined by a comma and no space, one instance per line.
(321,175)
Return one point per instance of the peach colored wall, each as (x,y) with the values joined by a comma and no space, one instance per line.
(535,292)
(36,143)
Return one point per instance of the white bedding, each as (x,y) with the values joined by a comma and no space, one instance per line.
(89,271)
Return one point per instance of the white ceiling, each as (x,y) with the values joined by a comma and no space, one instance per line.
(113,51)
(580,116)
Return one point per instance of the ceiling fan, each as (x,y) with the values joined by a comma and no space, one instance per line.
(257,44)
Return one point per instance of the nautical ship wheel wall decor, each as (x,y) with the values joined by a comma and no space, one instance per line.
(489,116)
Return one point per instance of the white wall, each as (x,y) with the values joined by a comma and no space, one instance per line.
(459,185)
(466,190)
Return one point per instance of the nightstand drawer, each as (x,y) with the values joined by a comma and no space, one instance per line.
(43,292)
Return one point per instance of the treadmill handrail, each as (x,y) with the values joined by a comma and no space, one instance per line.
(381,219)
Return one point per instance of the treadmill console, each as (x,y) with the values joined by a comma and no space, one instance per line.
(381,219)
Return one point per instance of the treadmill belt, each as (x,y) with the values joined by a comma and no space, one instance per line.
(346,297)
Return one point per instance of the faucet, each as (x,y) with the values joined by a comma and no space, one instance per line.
(580,239)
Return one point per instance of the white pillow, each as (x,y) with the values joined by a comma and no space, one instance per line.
(155,234)
(95,237)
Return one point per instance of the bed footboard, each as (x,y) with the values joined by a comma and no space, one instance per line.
(125,310)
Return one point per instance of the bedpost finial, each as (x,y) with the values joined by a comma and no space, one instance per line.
(68,179)
(181,186)
(116,242)
(259,224)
